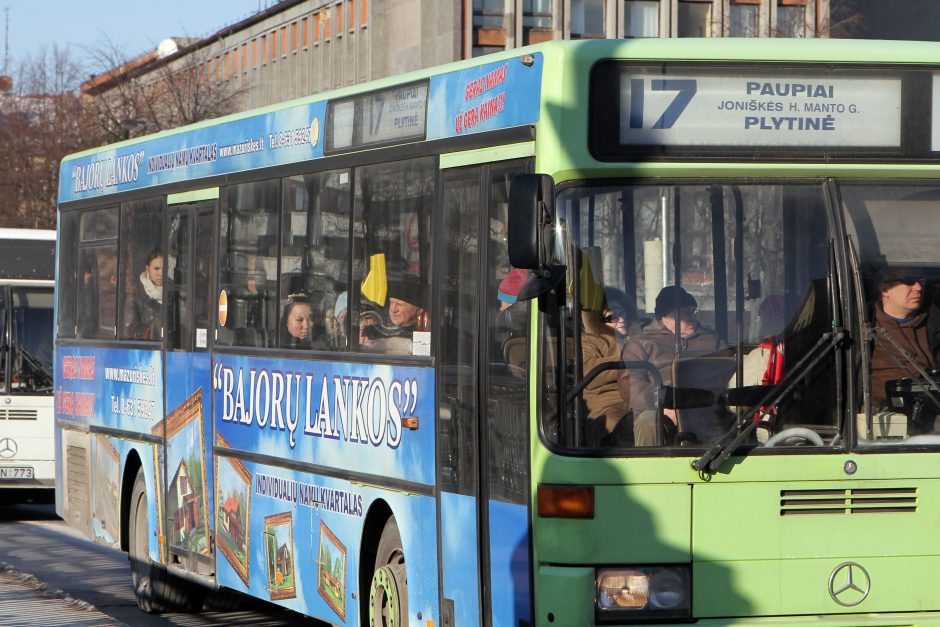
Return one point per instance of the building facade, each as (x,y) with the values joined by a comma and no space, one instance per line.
(299,47)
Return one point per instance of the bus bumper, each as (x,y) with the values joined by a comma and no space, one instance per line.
(565,596)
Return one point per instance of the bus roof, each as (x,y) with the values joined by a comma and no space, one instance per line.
(482,94)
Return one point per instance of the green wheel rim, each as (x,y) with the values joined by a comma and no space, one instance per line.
(383,583)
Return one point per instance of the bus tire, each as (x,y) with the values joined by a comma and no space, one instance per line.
(154,588)
(388,593)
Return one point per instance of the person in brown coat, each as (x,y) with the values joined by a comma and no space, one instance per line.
(899,311)
(656,344)
(609,420)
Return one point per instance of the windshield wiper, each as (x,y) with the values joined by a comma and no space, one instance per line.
(714,457)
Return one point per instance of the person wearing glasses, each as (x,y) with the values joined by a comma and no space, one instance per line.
(900,312)
(656,344)
(609,422)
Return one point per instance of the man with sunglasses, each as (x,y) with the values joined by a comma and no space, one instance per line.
(899,311)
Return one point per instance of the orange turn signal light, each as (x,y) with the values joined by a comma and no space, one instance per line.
(409,422)
(565,501)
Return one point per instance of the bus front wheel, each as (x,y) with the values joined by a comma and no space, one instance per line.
(388,593)
(153,586)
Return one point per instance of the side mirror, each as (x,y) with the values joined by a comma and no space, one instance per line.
(531,219)
(530,232)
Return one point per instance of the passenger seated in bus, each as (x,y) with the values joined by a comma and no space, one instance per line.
(610,421)
(899,309)
(405,314)
(143,311)
(338,321)
(298,329)
(369,317)
(656,344)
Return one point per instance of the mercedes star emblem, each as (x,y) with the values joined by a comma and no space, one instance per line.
(7,447)
(849,584)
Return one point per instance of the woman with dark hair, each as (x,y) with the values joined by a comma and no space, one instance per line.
(143,314)
(298,329)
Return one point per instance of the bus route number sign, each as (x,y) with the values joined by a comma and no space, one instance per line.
(763,110)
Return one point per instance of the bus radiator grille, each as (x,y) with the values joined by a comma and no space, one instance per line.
(848,501)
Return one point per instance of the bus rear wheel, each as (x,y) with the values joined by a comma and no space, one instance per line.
(155,589)
(388,593)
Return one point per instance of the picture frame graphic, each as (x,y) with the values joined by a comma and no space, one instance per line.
(187,501)
(279,553)
(331,571)
(233,511)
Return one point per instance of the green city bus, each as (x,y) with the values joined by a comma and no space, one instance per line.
(596,332)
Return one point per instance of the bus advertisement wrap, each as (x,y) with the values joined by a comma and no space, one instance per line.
(285,136)
(120,389)
(302,544)
(342,415)
(489,97)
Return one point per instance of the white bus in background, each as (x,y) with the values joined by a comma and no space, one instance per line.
(27,441)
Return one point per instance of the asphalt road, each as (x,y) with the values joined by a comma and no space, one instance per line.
(50,576)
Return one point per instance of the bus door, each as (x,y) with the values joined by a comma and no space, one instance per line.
(188,304)
(484,427)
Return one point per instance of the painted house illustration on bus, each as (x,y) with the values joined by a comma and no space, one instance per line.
(283,562)
(183,502)
(230,517)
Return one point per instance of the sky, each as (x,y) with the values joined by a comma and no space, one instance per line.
(131,26)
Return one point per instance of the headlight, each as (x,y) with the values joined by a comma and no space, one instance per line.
(642,593)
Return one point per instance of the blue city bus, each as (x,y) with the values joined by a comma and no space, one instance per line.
(358,354)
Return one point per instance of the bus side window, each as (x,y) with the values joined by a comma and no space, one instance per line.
(143,267)
(392,212)
(248,263)
(315,252)
(97,259)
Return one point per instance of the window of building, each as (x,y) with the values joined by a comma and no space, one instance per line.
(315,25)
(694,19)
(489,33)
(284,41)
(791,20)
(363,12)
(264,49)
(339,19)
(293,37)
(744,20)
(587,19)
(641,18)
(245,57)
(536,21)
(305,32)
(273,49)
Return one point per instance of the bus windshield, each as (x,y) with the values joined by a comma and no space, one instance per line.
(26,322)
(715,286)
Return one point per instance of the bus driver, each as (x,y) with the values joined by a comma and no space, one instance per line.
(899,312)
